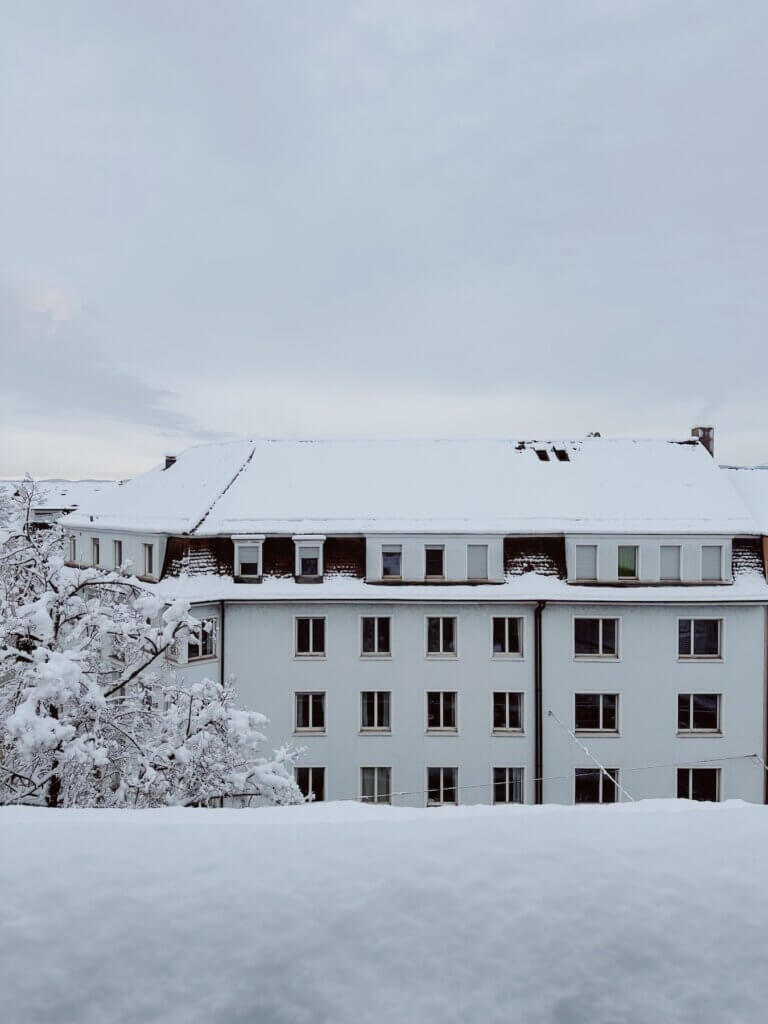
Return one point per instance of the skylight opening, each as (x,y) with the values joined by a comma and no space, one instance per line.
(543,454)
(562,455)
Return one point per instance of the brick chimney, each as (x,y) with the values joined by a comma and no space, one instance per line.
(706,435)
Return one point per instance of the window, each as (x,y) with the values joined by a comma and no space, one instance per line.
(507,636)
(73,549)
(441,635)
(669,562)
(95,560)
(311,782)
(441,786)
(375,710)
(249,560)
(202,643)
(698,712)
(591,786)
(698,638)
(391,561)
(149,560)
(595,638)
(375,638)
(308,559)
(712,562)
(596,712)
(310,712)
(477,561)
(117,553)
(441,710)
(376,785)
(310,636)
(698,784)
(627,562)
(586,561)
(507,712)
(434,558)
(508,785)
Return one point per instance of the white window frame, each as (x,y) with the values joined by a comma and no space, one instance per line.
(596,657)
(249,541)
(309,541)
(671,547)
(441,653)
(593,768)
(379,730)
(95,551)
(317,730)
(576,574)
(382,553)
(601,729)
(434,547)
(442,768)
(148,551)
(691,730)
(509,655)
(476,579)
(719,657)
(213,633)
(309,654)
(713,579)
(376,768)
(311,768)
(507,730)
(507,784)
(376,653)
(449,730)
(700,767)
(117,553)
(636,548)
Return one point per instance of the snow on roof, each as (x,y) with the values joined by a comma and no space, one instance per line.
(55,495)
(594,485)
(751,483)
(170,500)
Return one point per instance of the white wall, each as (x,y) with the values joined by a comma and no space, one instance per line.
(648,555)
(133,548)
(455,554)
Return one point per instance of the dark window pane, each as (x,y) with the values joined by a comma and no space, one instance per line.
(587,786)
(309,566)
(449,785)
(433,636)
(433,711)
(515,636)
(609,786)
(367,783)
(683,711)
(499,711)
(367,702)
(499,636)
(384,636)
(515,714)
(318,711)
(318,783)
(609,636)
(684,637)
(587,636)
(318,636)
(516,785)
(449,710)
(302,780)
(609,710)
(385,786)
(383,710)
(682,784)
(302,711)
(369,636)
(302,636)
(706,633)
(433,785)
(627,562)
(449,641)
(499,786)
(704,784)
(434,561)
(705,711)
(390,562)
(249,568)
(587,713)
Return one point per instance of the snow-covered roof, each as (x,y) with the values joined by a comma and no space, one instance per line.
(752,485)
(55,495)
(595,485)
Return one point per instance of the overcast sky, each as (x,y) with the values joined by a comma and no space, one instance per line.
(377,218)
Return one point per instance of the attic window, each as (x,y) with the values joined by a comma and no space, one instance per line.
(543,454)
(309,557)
(562,455)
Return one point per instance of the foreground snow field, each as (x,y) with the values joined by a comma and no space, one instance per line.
(336,913)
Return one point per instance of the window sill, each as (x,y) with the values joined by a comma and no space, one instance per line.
(508,732)
(374,732)
(309,656)
(309,579)
(440,655)
(376,655)
(596,657)
(597,732)
(687,733)
(502,656)
(248,579)
(309,732)
(434,579)
(205,657)
(441,732)
(699,657)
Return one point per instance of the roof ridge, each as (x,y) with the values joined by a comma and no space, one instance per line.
(221,493)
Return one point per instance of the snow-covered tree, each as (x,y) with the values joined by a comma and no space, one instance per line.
(90,712)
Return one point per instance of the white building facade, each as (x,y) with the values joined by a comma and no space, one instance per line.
(586,626)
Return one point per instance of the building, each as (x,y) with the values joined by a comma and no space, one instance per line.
(467,620)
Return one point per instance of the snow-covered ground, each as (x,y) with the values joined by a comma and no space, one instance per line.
(350,914)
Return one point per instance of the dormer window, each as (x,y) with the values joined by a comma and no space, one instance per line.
(309,558)
(627,567)
(392,561)
(712,562)
(434,561)
(248,557)
(477,561)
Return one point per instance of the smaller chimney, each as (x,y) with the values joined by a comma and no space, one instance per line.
(169,461)
(706,435)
